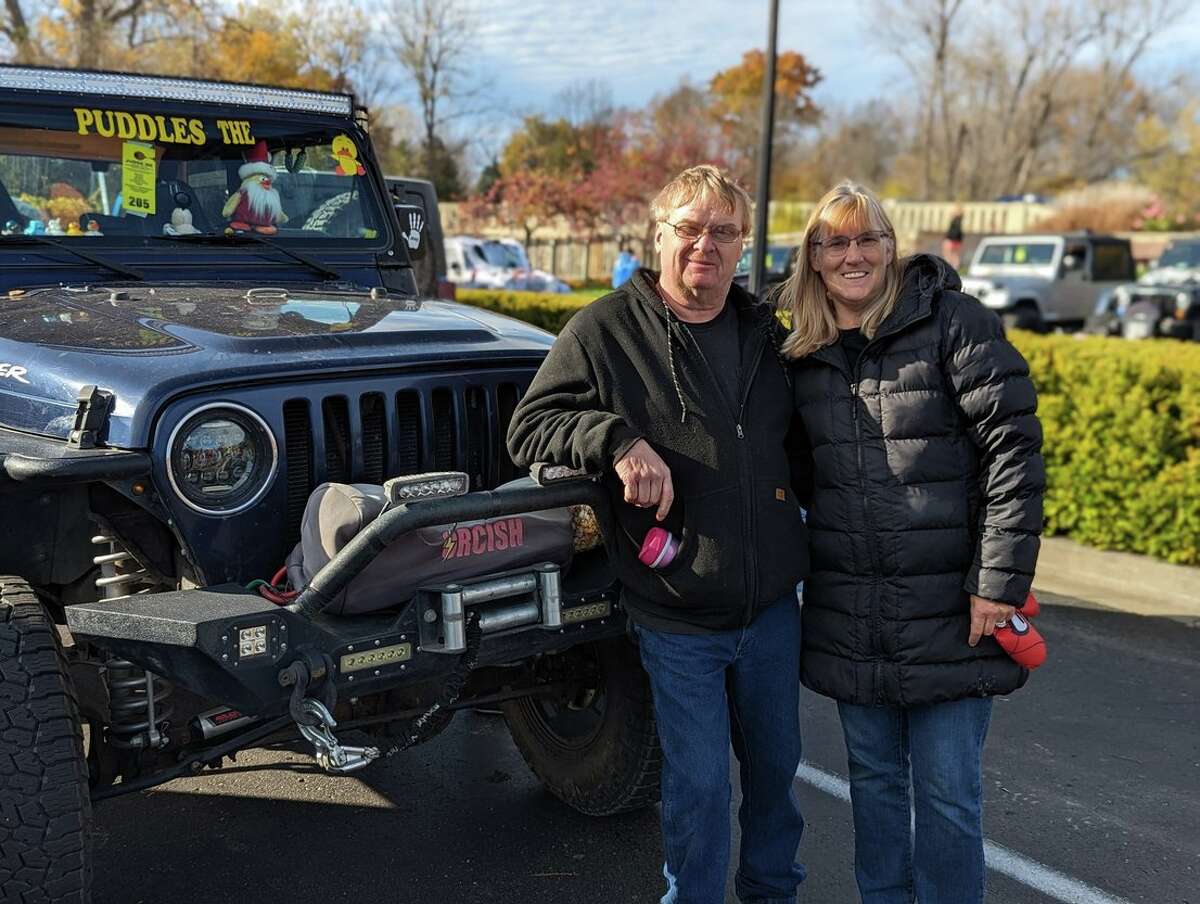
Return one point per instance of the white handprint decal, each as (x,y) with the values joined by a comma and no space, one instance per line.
(413,236)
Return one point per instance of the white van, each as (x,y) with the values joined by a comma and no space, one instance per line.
(473,262)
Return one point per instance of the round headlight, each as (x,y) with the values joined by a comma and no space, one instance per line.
(222,459)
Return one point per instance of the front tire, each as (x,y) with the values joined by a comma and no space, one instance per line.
(45,810)
(597,749)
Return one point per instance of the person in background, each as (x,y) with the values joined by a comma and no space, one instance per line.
(672,388)
(624,267)
(952,242)
(924,530)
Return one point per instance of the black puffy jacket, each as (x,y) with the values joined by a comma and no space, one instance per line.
(928,483)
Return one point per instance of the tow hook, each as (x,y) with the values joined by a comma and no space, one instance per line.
(331,755)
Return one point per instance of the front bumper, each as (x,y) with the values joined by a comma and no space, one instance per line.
(231,646)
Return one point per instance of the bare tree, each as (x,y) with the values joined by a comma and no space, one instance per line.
(1024,93)
(431,40)
(586,102)
(927,59)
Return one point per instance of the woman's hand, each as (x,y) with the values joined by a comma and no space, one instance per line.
(647,478)
(984,616)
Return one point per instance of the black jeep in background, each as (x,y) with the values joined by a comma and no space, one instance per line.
(209,311)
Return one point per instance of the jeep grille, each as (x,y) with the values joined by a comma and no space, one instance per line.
(370,436)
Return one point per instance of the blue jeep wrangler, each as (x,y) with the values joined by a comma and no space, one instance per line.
(210,332)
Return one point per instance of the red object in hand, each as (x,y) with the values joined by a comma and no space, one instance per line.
(1020,639)
(658,548)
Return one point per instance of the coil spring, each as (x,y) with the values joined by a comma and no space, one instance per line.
(140,706)
(139,701)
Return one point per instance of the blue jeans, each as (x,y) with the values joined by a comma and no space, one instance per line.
(743,687)
(935,751)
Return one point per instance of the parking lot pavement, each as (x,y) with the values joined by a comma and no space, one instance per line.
(1092,783)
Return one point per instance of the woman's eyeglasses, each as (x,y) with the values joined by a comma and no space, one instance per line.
(839,245)
(692,231)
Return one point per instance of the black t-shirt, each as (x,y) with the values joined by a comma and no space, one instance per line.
(718,339)
(852,342)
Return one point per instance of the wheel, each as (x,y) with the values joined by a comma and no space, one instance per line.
(1025,316)
(44,806)
(596,748)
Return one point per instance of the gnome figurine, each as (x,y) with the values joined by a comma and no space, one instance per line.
(256,205)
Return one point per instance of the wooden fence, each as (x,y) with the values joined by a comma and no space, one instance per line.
(556,248)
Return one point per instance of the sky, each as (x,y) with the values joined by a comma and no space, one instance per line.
(532,49)
(527,51)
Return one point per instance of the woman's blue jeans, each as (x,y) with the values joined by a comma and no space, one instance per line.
(710,689)
(933,752)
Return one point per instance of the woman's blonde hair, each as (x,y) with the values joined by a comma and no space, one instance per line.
(854,208)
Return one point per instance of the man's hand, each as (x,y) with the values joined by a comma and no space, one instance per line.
(984,615)
(647,478)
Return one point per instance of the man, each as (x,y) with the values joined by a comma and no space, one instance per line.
(671,387)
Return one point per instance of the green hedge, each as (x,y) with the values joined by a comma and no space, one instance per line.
(1122,426)
(547,310)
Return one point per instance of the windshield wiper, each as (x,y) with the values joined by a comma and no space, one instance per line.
(120,269)
(253,238)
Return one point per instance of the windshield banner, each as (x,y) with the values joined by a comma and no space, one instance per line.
(156,127)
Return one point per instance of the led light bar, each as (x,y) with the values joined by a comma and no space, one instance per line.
(419,487)
(154,87)
(544,473)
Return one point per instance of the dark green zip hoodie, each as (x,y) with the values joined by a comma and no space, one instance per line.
(625,368)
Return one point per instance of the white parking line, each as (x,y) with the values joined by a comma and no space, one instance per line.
(1008,863)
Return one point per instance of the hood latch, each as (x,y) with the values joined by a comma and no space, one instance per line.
(90,417)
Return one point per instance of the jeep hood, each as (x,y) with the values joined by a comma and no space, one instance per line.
(1010,284)
(1170,276)
(146,343)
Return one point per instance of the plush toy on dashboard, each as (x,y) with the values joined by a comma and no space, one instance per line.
(255,206)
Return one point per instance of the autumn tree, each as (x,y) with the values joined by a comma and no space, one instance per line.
(735,104)
(527,198)
(122,34)
(1168,159)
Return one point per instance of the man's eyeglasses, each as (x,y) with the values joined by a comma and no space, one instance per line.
(724,233)
(839,245)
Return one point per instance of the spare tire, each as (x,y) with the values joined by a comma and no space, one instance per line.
(596,748)
(44,805)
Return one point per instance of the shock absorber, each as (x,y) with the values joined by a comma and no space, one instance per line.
(139,701)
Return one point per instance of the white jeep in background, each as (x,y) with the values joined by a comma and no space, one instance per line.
(1039,282)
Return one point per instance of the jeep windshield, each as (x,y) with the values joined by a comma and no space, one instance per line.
(109,173)
(1017,254)
(1184,255)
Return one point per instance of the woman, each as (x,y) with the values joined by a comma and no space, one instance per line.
(924,522)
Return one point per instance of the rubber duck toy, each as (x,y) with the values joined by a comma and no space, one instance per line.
(346,155)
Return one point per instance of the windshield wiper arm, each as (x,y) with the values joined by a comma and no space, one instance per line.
(120,269)
(254,239)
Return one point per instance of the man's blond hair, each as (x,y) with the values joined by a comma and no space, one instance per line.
(702,183)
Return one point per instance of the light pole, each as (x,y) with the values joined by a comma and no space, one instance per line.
(763,193)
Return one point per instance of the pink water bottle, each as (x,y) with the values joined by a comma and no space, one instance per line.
(658,549)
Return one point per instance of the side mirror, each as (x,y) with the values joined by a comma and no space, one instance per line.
(1070,262)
